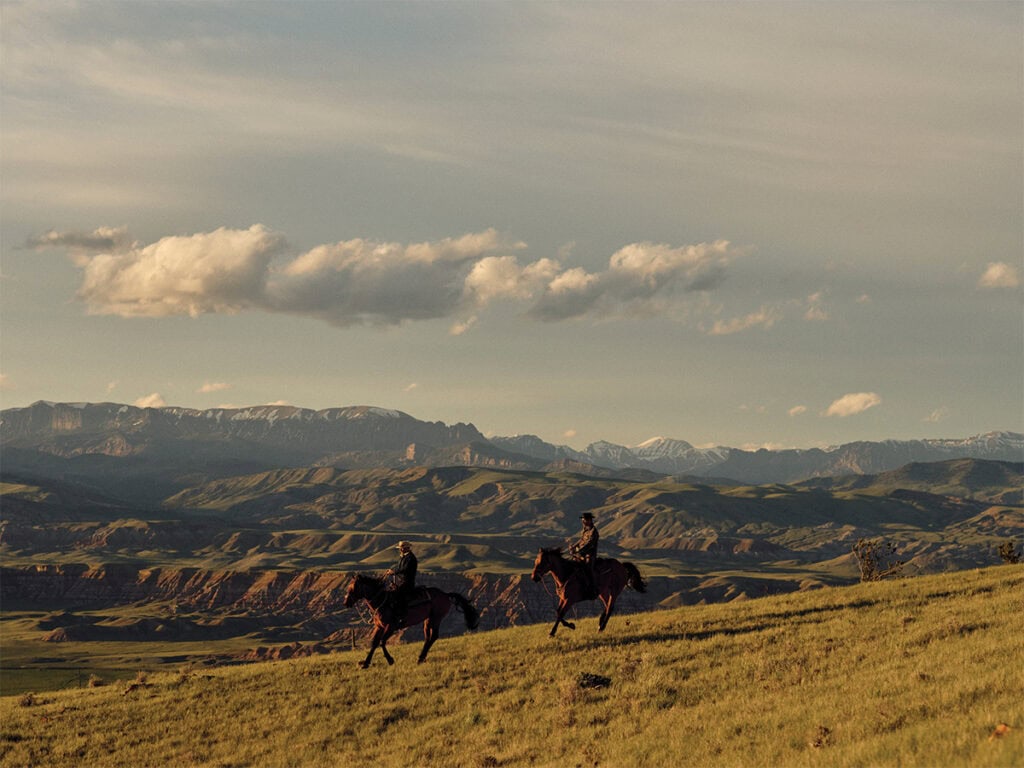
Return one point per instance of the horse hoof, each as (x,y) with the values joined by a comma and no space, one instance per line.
(363,665)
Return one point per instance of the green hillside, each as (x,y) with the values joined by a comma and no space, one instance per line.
(942,516)
(918,672)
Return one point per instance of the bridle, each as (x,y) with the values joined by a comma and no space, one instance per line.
(366,614)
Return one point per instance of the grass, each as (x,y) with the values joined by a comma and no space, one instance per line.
(916,672)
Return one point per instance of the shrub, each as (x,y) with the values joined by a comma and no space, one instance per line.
(877,559)
(1008,552)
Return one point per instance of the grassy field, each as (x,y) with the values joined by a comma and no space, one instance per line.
(918,672)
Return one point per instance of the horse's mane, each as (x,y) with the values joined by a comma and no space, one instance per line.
(367,577)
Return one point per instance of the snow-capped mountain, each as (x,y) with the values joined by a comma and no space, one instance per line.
(221,440)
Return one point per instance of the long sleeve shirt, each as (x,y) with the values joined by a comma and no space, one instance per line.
(586,547)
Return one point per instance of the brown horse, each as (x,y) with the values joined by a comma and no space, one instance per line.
(612,578)
(428,605)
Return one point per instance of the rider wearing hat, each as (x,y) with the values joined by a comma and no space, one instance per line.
(584,551)
(403,580)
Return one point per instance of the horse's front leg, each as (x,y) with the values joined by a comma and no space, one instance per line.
(373,647)
(563,606)
(429,636)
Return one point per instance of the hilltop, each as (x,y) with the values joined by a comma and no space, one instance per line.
(914,672)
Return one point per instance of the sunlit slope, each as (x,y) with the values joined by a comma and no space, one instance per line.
(926,671)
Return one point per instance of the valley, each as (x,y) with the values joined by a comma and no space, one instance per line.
(121,552)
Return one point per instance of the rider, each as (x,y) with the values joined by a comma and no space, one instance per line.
(584,551)
(403,581)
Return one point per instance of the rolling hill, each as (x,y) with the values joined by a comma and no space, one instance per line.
(915,672)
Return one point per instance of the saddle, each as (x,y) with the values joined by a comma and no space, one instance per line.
(591,590)
(419,595)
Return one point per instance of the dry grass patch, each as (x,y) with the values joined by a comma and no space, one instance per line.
(915,672)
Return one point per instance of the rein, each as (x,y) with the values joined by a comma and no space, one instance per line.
(368,614)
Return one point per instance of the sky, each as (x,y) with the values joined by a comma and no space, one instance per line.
(751,224)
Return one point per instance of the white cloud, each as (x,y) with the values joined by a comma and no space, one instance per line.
(220,271)
(815,311)
(639,279)
(767,446)
(569,433)
(765,317)
(100,239)
(852,404)
(410,387)
(797,410)
(213,386)
(362,282)
(5,382)
(365,282)
(999,274)
(155,400)
(939,414)
(111,386)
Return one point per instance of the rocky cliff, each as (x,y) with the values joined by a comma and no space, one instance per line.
(282,604)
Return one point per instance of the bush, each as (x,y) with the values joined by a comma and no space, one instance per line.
(1008,552)
(877,559)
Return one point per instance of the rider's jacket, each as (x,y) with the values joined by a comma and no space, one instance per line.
(586,547)
(405,573)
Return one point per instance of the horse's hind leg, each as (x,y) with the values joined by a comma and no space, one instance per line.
(384,647)
(429,635)
(608,605)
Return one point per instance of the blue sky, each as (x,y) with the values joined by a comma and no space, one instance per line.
(781,224)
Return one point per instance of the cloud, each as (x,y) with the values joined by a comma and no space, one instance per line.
(765,317)
(815,311)
(155,400)
(366,282)
(220,271)
(410,387)
(569,433)
(213,386)
(100,239)
(852,404)
(797,410)
(768,446)
(362,282)
(999,274)
(5,382)
(939,414)
(639,276)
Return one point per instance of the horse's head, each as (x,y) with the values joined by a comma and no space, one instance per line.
(352,593)
(543,562)
(360,588)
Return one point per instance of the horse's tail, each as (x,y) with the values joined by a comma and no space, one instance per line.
(470,613)
(636,581)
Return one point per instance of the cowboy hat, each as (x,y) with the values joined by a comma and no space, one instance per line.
(587,516)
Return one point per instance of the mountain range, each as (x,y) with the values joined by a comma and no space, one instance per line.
(178,447)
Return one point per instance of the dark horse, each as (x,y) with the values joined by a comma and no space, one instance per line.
(612,578)
(428,605)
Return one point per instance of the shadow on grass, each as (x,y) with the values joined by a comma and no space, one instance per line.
(763,622)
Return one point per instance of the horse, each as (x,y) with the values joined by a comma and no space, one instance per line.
(428,605)
(611,576)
